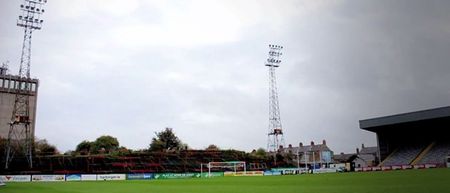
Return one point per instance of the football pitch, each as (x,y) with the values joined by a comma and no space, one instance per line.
(409,181)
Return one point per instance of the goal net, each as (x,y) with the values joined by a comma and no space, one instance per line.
(230,166)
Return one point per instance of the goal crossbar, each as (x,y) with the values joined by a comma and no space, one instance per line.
(229,165)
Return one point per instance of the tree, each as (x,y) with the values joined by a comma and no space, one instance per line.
(84,147)
(42,147)
(70,152)
(122,151)
(184,146)
(212,147)
(261,153)
(105,144)
(166,140)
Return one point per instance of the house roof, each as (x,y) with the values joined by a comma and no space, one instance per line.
(308,148)
(366,157)
(344,157)
(368,150)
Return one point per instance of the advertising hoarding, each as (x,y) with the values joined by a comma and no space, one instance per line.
(213,174)
(15,178)
(176,175)
(140,176)
(105,177)
(48,178)
(88,177)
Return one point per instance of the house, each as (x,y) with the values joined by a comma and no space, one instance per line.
(313,154)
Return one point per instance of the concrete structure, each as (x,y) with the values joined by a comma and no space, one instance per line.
(8,90)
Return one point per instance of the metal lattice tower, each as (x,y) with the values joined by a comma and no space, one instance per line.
(20,139)
(275,133)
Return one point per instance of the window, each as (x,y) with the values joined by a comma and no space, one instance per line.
(6,85)
(1,83)
(11,83)
(22,85)
(33,87)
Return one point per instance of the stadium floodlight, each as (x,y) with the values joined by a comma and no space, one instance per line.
(275,133)
(20,131)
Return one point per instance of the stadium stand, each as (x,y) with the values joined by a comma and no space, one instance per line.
(437,154)
(404,155)
(412,139)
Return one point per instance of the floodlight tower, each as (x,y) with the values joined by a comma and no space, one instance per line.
(20,139)
(275,134)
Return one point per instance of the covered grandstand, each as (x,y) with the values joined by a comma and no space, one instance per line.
(415,138)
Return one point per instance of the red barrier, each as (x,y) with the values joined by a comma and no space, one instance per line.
(430,166)
(396,167)
(406,167)
(376,168)
(420,166)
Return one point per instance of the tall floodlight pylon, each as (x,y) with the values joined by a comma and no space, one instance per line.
(275,137)
(20,138)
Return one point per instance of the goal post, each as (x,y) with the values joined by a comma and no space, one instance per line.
(233,166)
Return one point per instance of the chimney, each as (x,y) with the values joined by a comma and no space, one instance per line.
(362,146)
(324,142)
(301,144)
(281,147)
(290,146)
(357,150)
(342,153)
(312,143)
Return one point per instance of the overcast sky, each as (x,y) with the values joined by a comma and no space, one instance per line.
(131,68)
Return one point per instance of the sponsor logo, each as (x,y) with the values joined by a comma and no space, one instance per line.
(176,175)
(248,173)
(111,177)
(276,173)
(144,176)
(73,177)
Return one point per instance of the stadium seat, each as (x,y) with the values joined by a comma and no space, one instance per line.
(437,154)
(404,155)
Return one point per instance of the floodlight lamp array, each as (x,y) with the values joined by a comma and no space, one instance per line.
(31,11)
(274,55)
(275,46)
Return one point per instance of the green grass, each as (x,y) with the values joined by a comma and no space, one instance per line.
(410,181)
